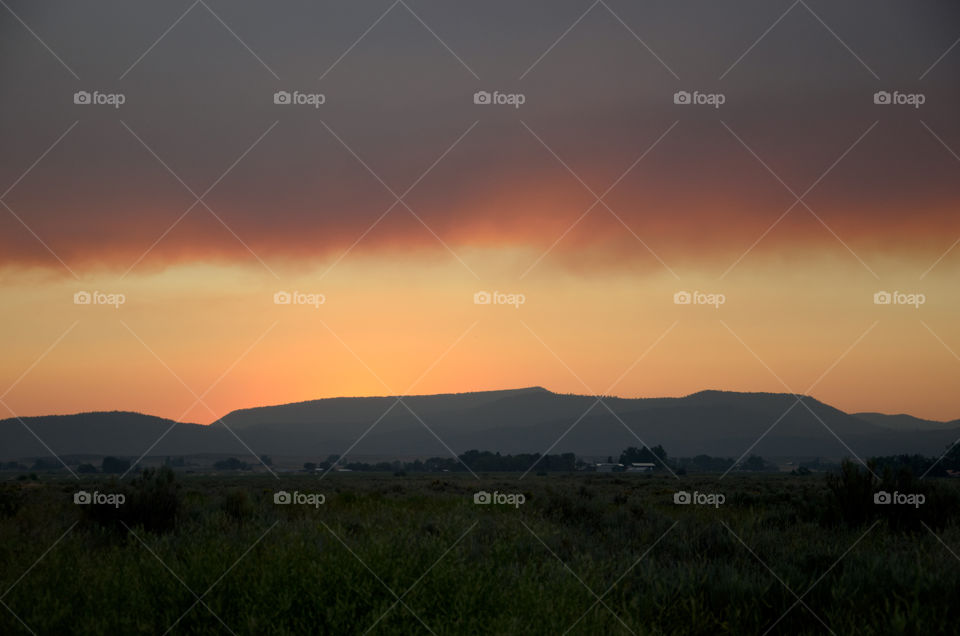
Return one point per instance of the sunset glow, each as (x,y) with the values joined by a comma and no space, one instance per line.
(597,198)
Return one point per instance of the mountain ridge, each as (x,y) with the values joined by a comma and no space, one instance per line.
(527,419)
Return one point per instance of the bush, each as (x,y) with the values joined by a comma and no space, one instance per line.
(237,505)
(155,502)
(11,500)
(152,501)
(852,497)
(939,507)
(852,494)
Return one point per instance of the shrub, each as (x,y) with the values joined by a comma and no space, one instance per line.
(237,505)
(939,507)
(11,500)
(852,493)
(152,501)
(155,500)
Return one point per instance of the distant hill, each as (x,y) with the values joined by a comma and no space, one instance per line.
(107,433)
(533,419)
(903,422)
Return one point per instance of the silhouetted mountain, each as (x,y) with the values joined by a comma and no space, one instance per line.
(109,433)
(718,423)
(904,422)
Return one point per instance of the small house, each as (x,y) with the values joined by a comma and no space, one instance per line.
(604,467)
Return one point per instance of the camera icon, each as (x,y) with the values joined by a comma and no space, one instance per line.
(882,298)
(881,497)
(682,497)
(482,298)
(82,497)
(282,97)
(82,298)
(681,97)
(282,298)
(682,298)
(281,497)
(882,97)
(81,97)
(482,497)
(482,97)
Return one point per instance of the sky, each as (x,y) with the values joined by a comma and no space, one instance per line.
(786,166)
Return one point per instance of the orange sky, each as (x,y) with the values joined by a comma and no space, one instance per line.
(388,326)
(401,197)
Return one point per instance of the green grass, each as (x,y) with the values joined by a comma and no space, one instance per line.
(468,569)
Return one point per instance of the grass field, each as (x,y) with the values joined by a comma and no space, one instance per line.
(583,554)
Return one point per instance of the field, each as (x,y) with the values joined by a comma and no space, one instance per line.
(384,554)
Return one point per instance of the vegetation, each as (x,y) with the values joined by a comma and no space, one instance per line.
(151,500)
(115,465)
(231,463)
(659,567)
(655,455)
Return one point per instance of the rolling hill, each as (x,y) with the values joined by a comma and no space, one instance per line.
(528,420)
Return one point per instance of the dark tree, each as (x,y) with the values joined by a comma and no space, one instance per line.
(755,463)
(114,465)
(643,455)
(45,464)
(231,463)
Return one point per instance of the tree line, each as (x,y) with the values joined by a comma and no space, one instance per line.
(487,461)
